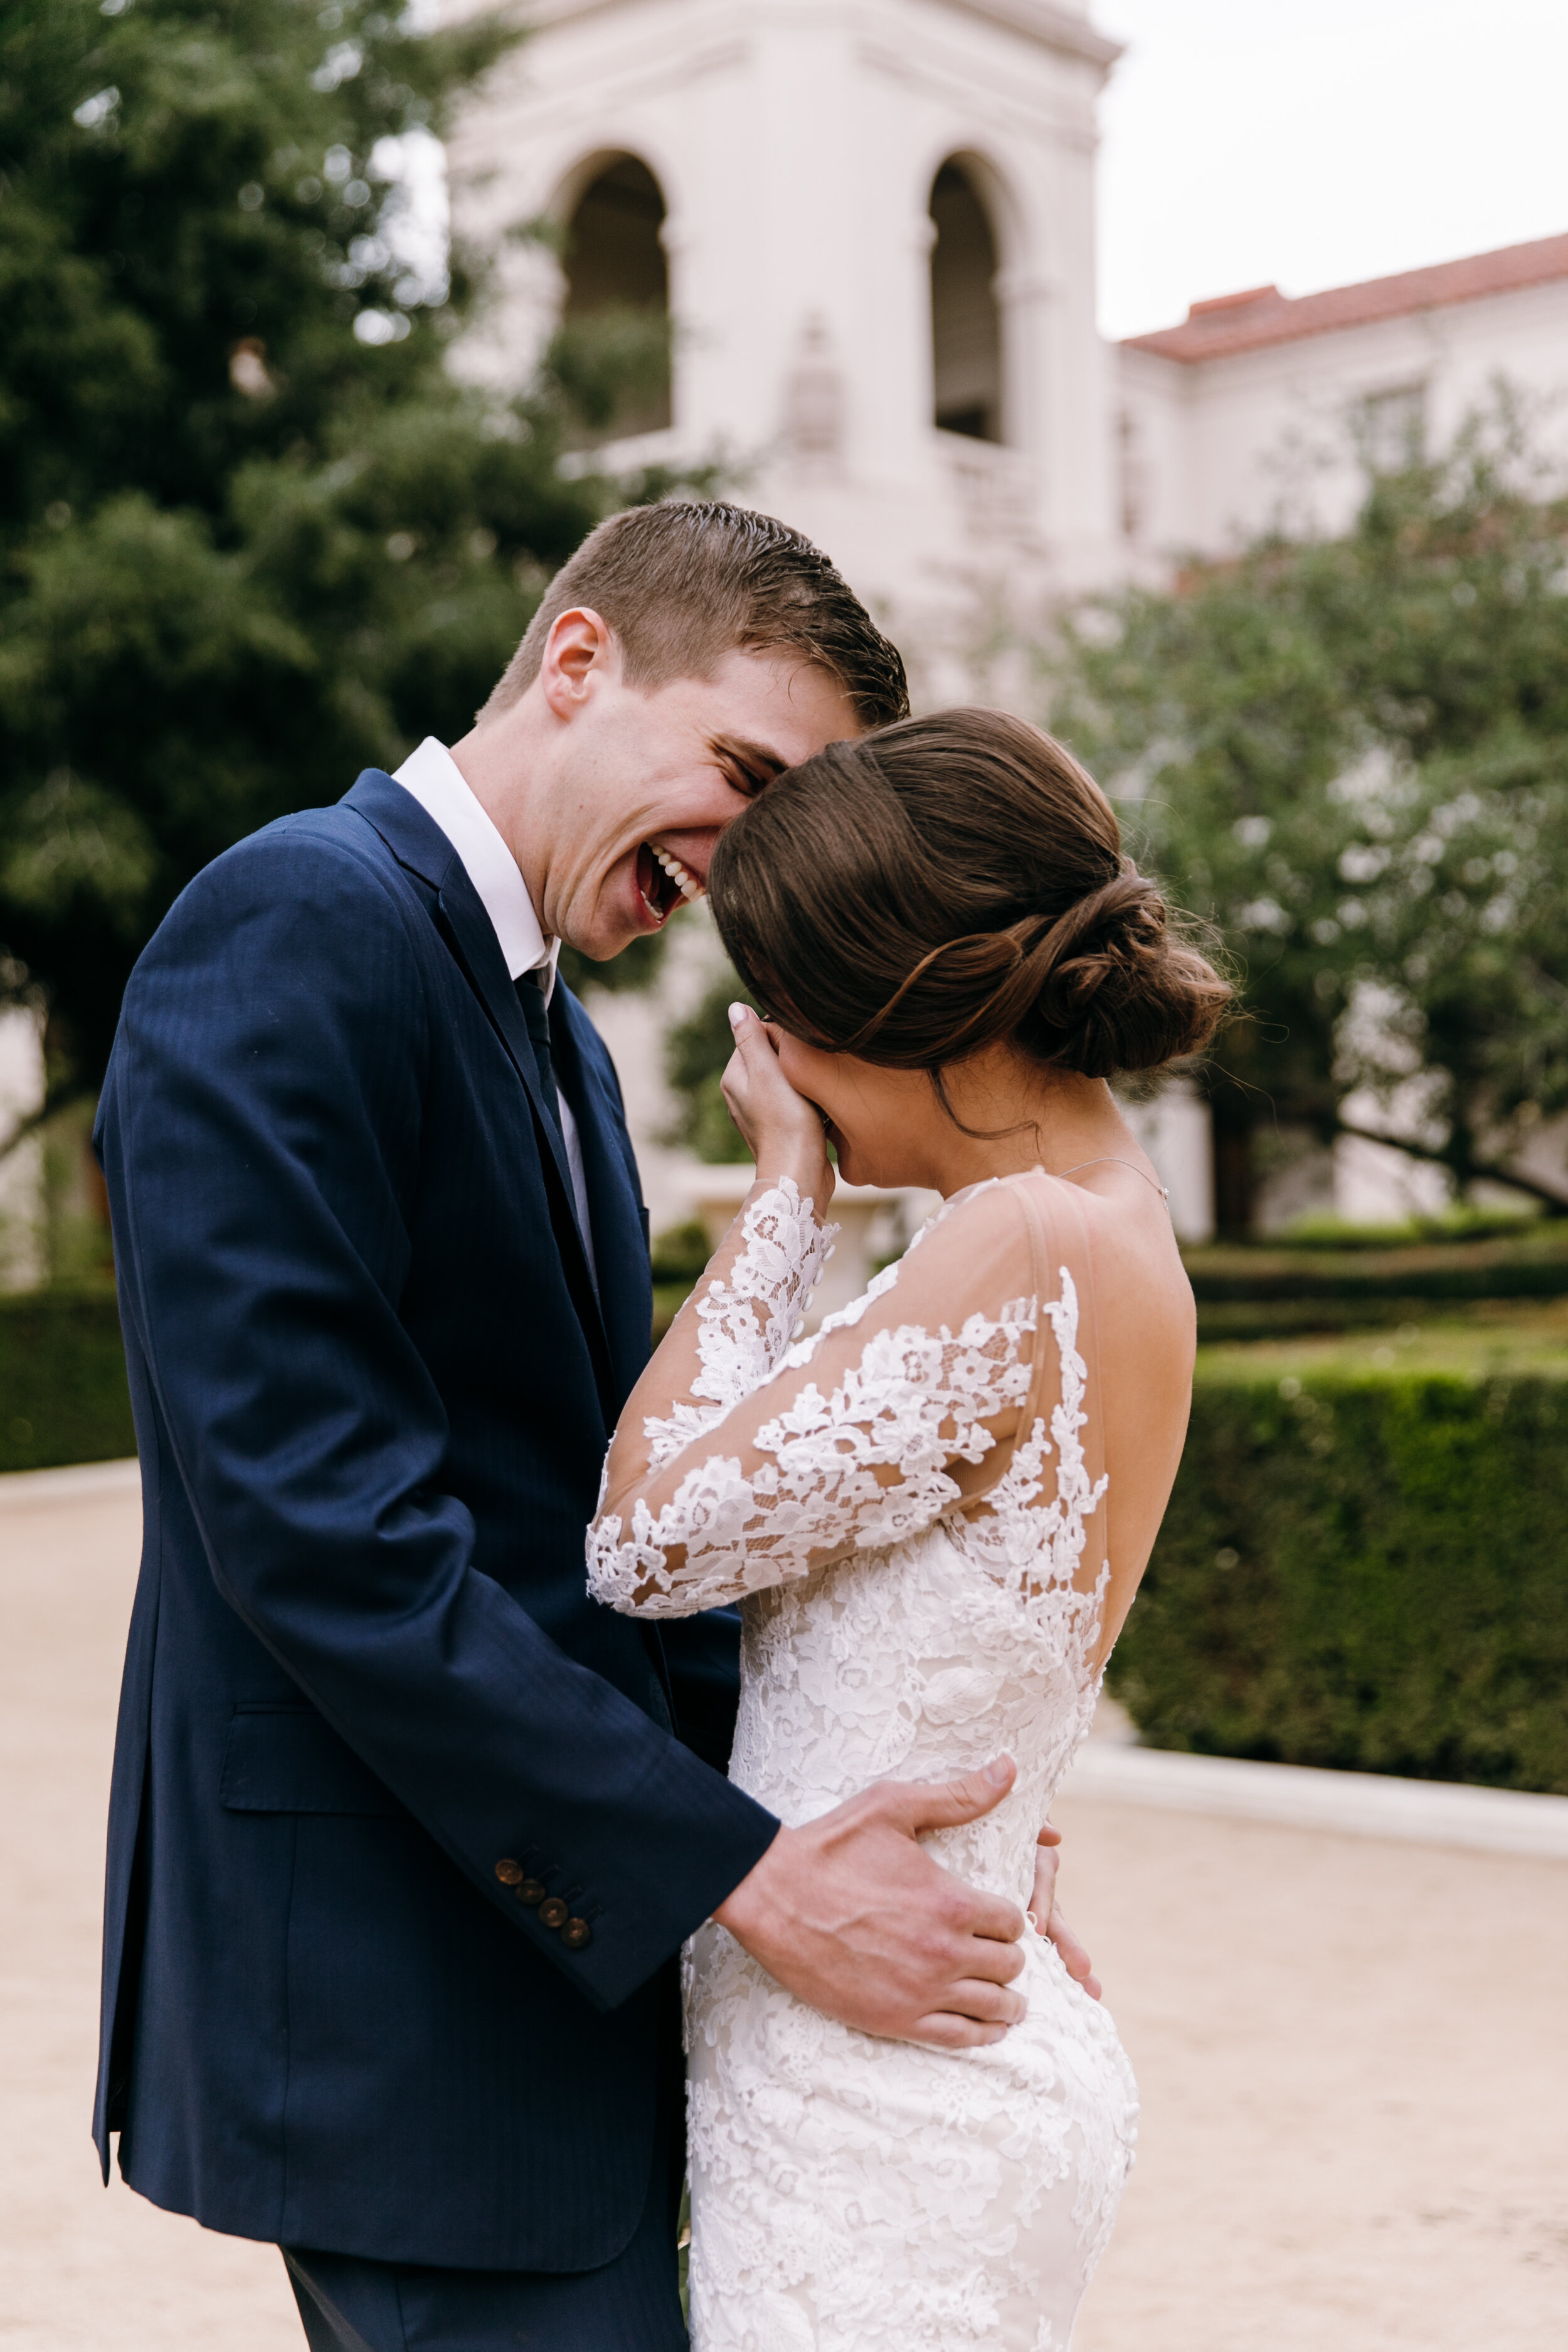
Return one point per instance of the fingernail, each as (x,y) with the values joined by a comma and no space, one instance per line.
(999,1771)
(737,1015)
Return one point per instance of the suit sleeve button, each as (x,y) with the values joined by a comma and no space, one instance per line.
(576,1934)
(531,1892)
(509,1872)
(553,1913)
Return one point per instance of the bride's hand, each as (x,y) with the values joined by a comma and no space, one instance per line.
(782,1130)
(1046,1915)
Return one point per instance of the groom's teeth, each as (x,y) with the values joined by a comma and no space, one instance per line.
(686,883)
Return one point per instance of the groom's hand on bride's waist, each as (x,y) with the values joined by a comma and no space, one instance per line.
(852,1915)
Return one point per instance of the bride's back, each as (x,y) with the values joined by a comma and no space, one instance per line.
(1144,1335)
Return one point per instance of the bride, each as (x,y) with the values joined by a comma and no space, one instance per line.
(934,1513)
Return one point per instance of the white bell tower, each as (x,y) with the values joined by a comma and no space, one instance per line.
(872,223)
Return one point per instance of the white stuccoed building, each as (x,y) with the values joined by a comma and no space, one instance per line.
(871,224)
(22,1255)
(1236,419)
(873,221)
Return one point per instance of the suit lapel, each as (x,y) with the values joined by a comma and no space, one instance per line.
(416,841)
(469,928)
(615,1198)
(619,1222)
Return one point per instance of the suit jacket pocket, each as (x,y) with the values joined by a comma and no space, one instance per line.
(287,1759)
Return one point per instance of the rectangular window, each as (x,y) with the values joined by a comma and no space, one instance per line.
(1391,428)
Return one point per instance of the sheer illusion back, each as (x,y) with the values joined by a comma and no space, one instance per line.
(913,1510)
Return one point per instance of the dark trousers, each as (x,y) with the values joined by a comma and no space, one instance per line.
(631,2305)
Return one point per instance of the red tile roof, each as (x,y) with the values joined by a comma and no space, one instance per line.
(1261,316)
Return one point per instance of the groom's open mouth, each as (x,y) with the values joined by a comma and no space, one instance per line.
(664,881)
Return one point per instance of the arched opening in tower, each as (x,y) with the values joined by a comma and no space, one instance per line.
(615,344)
(965,318)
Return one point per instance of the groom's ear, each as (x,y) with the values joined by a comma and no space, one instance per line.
(580,649)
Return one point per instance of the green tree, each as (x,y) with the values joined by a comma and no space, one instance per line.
(254,535)
(696,1052)
(1352,755)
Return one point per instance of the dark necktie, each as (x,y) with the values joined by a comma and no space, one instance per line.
(536,1015)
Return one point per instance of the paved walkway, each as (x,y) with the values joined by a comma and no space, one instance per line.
(1353,2054)
(82,2269)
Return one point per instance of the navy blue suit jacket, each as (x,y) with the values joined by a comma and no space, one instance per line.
(372,1389)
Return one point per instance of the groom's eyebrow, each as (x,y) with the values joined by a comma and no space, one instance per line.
(756,763)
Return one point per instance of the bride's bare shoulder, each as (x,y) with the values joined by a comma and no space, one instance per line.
(1131,1261)
(974,1232)
(1012,1234)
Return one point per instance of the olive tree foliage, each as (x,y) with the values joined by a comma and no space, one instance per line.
(1350,755)
(254,534)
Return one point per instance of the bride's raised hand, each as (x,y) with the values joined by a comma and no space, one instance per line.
(780,1129)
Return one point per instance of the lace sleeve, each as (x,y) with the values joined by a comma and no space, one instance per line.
(747,1316)
(860,1437)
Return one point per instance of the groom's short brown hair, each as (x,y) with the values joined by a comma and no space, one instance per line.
(685,583)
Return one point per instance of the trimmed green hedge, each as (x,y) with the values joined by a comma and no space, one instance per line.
(63,1396)
(1369,1573)
(1534,1265)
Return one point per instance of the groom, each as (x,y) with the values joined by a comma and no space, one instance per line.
(406,1835)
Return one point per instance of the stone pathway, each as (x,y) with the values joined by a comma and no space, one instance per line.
(82,2269)
(1354,2058)
(1352,2052)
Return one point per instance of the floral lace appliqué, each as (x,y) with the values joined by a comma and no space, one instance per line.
(1038,1548)
(748,1320)
(914,1401)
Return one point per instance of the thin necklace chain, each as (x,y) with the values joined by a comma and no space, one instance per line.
(1110,1160)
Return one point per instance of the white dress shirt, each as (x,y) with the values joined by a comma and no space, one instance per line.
(442,791)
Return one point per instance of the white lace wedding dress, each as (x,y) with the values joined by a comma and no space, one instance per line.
(903,1506)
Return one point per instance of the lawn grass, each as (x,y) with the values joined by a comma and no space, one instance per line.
(1475,1341)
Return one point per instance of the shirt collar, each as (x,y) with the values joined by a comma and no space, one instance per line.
(443,792)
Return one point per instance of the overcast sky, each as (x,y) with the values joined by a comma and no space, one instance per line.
(1311,143)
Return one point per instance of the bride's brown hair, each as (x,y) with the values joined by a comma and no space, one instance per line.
(952,883)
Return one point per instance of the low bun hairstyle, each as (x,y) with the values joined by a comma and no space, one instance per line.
(952,883)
